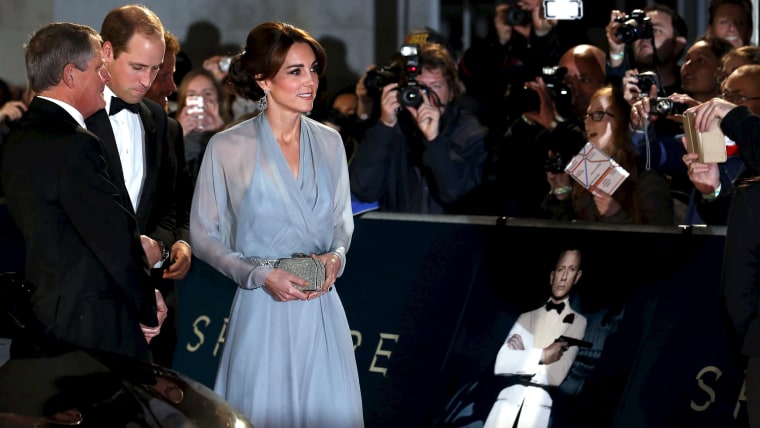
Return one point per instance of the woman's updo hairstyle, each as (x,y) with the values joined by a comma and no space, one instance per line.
(265,51)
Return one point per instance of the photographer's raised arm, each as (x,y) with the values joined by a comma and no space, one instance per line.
(616,53)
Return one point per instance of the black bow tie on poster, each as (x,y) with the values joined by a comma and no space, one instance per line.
(117,105)
(556,306)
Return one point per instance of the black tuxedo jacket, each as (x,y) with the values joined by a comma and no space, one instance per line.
(164,171)
(83,251)
(740,282)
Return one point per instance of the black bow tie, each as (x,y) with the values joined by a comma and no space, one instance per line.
(559,307)
(117,104)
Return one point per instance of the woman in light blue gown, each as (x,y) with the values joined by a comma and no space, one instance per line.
(269,187)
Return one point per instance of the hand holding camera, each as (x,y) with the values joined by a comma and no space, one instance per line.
(195,112)
(547,96)
(428,117)
(637,85)
(199,115)
(547,109)
(633,27)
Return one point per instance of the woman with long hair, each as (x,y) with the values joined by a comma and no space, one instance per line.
(643,198)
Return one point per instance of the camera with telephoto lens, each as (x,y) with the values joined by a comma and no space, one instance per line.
(515,15)
(635,26)
(403,71)
(665,106)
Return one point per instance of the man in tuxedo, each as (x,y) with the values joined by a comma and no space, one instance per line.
(84,256)
(135,132)
(532,357)
(162,88)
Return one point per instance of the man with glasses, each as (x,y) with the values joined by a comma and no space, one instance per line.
(739,285)
(738,108)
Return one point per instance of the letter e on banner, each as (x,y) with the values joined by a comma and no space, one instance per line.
(382,352)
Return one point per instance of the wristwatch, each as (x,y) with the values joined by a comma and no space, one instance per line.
(165,253)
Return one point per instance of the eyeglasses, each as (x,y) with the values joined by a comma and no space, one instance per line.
(736,98)
(597,116)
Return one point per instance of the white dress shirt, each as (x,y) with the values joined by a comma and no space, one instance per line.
(130,141)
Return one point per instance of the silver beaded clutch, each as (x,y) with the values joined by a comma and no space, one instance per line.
(303,266)
(300,265)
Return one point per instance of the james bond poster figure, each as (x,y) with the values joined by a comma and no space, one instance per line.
(538,352)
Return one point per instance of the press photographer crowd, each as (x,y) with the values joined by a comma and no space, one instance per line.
(243,163)
(492,132)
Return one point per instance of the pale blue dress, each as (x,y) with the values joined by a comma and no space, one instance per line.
(284,364)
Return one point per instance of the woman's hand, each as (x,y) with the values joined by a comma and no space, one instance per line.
(558,181)
(631,91)
(280,284)
(640,114)
(332,267)
(190,122)
(209,120)
(605,204)
(682,99)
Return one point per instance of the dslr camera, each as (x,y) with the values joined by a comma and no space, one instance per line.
(665,106)
(404,71)
(554,78)
(515,15)
(635,26)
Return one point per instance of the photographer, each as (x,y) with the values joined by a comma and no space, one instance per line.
(650,40)
(700,75)
(516,178)
(519,43)
(423,158)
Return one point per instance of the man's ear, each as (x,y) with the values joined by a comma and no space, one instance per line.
(578,276)
(680,45)
(68,75)
(108,51)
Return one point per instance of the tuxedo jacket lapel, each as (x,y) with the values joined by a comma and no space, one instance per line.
(100,125)
(152,150)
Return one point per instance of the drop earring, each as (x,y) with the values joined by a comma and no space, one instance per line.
(262,102)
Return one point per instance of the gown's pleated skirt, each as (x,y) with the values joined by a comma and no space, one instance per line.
(283,356)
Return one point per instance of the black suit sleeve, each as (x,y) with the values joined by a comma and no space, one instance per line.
(741,268)
(184,184)
(161,215)
(89,199)
(743,127)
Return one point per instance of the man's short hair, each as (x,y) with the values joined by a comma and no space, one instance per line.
(122,23)
(55,45)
